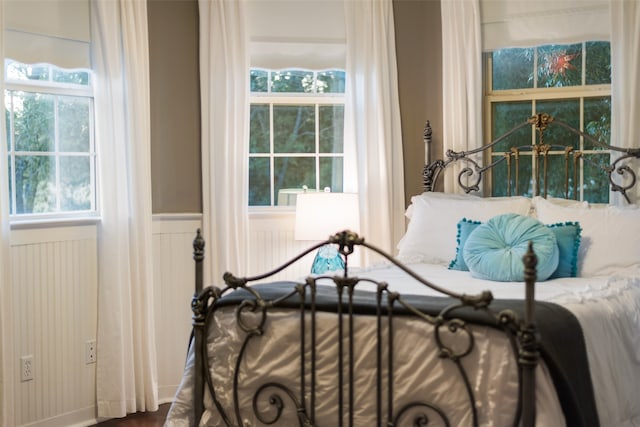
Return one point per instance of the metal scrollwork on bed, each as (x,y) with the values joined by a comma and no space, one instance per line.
(253,305)
(620,175)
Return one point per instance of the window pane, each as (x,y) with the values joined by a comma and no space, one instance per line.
(11,189)
(7,118)
(259,80)
(500,177)
(331,128)
(73,124)
(294,172)
(35,184)
(597,121)
(331,173)
(596,183)
(74,77)
(75,183)
(34,121)
(294,129)
(559,175)
(259,182)
(598,66)
(559,65)
(259,128)
(566,110)
(331,81)
(292,81)
(18,71)
(506,115)
(512,69)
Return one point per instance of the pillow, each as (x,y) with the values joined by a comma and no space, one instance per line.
(432,228)
(494,250)
(610,237)
(567,235)
(568,238)
(465,227)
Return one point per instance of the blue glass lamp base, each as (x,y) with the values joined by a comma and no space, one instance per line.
(327,259)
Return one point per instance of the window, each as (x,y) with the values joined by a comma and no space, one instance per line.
(50,143)
(296,134)
(570,82)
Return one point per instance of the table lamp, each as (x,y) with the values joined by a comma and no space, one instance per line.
(321,215)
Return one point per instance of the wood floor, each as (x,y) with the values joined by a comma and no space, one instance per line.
(140,419)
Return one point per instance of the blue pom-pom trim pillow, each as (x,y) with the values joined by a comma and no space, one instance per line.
(465,227)
(494,250)
(568,238)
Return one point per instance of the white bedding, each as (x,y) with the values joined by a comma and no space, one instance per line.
(608,308)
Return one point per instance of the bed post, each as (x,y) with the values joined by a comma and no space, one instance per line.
(430,171)
(198,306)
(528,340)
(198,256)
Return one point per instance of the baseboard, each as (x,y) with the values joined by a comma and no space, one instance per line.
(80,418)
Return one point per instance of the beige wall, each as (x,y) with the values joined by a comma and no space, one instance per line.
(175,102)
(419,57)
(175,106)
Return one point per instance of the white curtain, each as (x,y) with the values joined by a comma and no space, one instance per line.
(224,88)
(126,368)
(461,82)
(7,364)
(625,80)
(372,120)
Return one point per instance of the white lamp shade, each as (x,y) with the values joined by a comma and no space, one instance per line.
(320,215)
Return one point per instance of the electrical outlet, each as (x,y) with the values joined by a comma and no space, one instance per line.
(90,352)
(26,368)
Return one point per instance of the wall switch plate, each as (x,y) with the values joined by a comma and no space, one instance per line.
(26,368)
(90,352)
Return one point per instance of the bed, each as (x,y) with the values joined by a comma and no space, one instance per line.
(455,330)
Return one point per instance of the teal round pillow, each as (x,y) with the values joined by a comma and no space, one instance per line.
(494,250)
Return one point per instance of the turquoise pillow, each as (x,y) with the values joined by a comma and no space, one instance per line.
(568,238)
(465,227)
(494,250)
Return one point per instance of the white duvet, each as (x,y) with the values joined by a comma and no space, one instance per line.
(608,309)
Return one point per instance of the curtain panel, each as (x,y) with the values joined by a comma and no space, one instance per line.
(372,120)
(7,364)
(461,82)
(224,95)
(126,374)
(625,80)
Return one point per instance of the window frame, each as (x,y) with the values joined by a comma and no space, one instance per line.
(53,88)
(534,95)
(314,99)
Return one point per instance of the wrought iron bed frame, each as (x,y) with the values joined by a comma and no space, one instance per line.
(521,333)
(521,330)
(470,177)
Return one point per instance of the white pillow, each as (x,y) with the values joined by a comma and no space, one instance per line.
(432,230)
(610,239)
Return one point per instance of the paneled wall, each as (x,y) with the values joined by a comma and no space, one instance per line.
(174,285)
(54,293)
(272,243)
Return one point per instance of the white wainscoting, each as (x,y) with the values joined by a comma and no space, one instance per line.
(54,294)
(272,243)
(174,286)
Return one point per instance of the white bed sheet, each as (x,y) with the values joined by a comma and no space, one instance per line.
(608,308)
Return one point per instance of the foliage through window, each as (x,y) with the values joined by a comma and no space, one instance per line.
(296,134)
(569,82)
(49,124)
